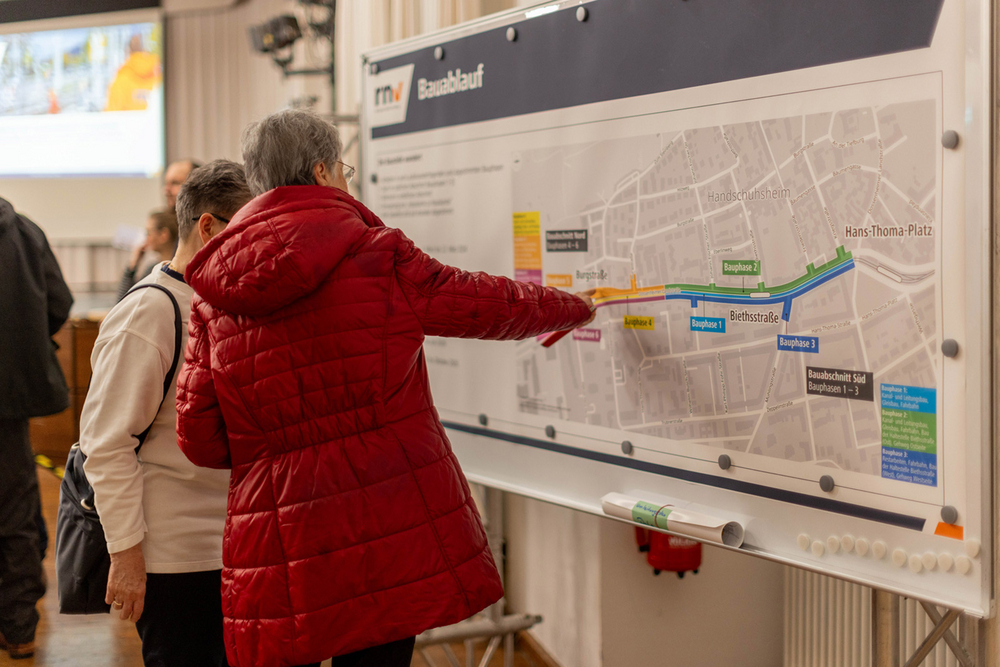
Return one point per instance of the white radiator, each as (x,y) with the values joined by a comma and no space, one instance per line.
(828,624)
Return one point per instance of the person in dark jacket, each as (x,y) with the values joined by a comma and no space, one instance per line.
(350,527)
(35,302)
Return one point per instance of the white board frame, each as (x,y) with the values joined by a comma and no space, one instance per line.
(529,472)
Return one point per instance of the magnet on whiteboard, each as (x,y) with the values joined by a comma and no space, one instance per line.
(512,34)
(373,68)
(818,548)
(949,139)
(945,561)
(374,179)
(972,548)
(949,348)
(949,514)
(847,543)
(582,14)
(833,544)
(438,53)
(626,447)
(963,565)
(916,564)
(804,541)
(826,483)
(861,546)
(484,420)
(899,558)
(930,561)
(879,549)
(550,431)
(725,462)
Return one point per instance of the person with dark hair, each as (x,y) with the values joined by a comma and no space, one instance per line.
(162,516)
(36,303)
(351,528)
(161,243)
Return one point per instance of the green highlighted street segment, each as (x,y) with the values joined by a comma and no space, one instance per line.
(843,256)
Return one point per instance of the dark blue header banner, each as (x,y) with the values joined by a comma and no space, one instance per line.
(626,48)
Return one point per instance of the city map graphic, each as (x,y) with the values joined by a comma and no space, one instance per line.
(769,287)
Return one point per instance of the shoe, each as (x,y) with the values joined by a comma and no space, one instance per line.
(17,651)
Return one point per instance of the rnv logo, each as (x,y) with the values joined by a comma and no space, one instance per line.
(388,94)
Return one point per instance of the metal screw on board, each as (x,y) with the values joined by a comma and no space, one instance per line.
(512,34)
(949,514)
(725,462)
(550,431)
(627,448)
(484,420)
(438,53)
(826,483)
(949,348)
(582,14)
(949,139)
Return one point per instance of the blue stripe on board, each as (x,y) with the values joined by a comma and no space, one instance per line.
(802,499)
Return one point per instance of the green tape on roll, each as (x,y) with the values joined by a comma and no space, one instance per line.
(649,514)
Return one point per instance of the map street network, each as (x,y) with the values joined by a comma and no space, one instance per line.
(767,287)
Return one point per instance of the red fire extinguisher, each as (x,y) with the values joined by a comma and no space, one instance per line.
(669,553)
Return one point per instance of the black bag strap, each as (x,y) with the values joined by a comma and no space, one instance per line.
(169,380)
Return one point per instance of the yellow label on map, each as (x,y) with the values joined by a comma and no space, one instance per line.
(639,322)
(556,280)
(528,223)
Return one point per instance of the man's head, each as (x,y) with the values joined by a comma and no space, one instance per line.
(292,147)
(161,231)
(209,199)
(174,177)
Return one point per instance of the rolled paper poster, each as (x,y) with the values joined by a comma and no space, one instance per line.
(676,520)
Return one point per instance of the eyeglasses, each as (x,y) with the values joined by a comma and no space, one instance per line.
(349,171)
(217,217)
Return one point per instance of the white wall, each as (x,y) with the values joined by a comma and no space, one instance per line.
(554,568)
(730,613)
(604,607)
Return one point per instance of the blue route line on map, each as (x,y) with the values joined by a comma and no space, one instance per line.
(784,298)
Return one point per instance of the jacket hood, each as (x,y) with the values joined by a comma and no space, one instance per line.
(278,248)
(7,216)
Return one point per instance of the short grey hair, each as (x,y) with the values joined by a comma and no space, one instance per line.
(219,188)
(283,149)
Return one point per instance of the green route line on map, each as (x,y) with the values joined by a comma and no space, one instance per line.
(842,257)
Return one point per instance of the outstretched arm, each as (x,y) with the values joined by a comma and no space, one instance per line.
(201,429)
(456,303)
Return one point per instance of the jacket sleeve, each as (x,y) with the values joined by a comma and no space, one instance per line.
(123,399)
(459,304)
(201,429)
(59,297)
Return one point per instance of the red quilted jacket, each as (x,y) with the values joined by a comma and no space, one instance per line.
(350,522)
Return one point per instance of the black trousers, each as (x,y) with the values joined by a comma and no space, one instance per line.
(21,583)
(181,623)
(393,654)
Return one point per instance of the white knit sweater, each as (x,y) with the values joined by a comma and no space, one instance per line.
(161,499)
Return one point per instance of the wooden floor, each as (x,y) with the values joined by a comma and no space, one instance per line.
(102,641)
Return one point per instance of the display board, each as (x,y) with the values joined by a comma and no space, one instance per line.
(784,207)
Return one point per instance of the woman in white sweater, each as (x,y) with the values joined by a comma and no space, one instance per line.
(163,516)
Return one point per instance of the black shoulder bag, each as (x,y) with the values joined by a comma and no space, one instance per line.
(82,559)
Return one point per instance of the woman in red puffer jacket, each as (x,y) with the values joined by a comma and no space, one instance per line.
(350,525)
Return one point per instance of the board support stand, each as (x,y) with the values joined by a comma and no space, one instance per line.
(495,626)
(885,633)
(885,629)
